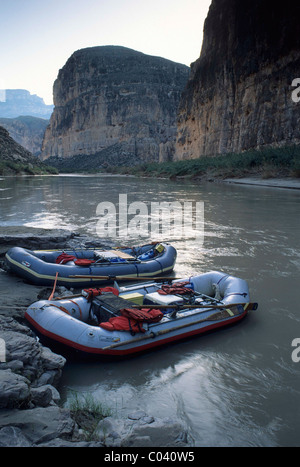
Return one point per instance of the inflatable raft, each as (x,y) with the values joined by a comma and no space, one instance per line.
(120,321)
(79,268)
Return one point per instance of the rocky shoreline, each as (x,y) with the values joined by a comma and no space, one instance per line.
(31,413)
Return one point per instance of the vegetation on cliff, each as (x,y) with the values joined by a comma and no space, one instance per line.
(15,160)
(19,168)
(27,131)
(267,163)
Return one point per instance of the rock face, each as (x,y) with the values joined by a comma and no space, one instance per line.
(16,159)
(117,100)
(239,95)
(16,102)
(27,131)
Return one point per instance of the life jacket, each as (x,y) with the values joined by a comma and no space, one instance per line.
(91,293)
(64,258)
(176,289)
(83,262)
(146,315)
(131,319)
(121,323)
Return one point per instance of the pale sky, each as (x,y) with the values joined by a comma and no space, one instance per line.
(38,36)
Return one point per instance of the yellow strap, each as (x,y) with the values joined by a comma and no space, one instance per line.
(229,312)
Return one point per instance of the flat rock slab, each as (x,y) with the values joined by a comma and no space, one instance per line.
(38,425)
(38,239)
(16,294)
(141,430)
(32,238)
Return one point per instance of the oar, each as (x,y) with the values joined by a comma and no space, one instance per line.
(54,286)
(68,296)
(214,317)
(250,306)
(106,278)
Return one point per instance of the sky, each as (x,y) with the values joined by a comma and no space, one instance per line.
(38,36)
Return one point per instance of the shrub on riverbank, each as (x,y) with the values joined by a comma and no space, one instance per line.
(268,162)
(87,412)
(18,168)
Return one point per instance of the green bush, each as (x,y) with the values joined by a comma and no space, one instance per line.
(8,167)
(87,412)
(234,164)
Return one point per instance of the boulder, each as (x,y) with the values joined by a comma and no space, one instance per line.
(141,430)
(14,389)
(38,425)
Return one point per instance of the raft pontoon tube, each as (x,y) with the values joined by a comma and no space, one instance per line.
(96,325)
(40,267)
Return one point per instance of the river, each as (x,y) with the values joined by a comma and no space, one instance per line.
(239,386)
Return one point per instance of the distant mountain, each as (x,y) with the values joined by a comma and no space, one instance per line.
(27,131)
(17,102)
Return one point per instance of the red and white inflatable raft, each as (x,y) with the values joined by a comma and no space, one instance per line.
(120,321)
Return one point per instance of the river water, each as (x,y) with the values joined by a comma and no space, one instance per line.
(239,386)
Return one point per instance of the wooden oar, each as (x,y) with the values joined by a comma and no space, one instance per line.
(250,306)
(214,317)
(106,278)
(67,297)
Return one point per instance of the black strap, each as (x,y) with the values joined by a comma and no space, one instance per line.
(90,309)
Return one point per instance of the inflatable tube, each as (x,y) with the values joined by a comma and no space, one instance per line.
(40,267)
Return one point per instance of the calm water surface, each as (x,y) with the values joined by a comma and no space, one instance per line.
(235,387)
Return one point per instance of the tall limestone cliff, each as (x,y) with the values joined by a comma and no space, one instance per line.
(116,103)
(239,95)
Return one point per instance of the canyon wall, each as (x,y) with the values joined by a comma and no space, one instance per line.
(27,131)
(116,103)
(15,159)
(239,95)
